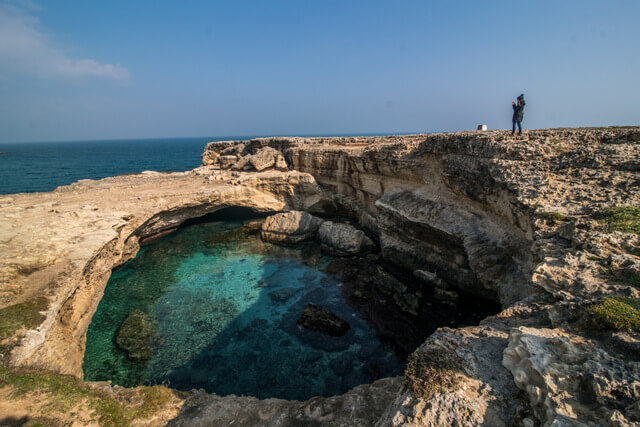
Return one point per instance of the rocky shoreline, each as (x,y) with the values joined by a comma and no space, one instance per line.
(532,223)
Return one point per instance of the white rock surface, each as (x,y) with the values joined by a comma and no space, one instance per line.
(572,381)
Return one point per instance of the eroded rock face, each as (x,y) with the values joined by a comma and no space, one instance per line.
(98,226)
(319,319)
(343,239)
(134,336)
(360,407)
(241,157)
(481,213)
(569,380)
(266,158)
(290,227)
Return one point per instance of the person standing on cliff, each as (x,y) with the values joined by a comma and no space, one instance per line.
(518,115)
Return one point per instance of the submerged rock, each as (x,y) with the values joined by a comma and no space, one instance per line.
(283,294)
(342,239)
(322,320)
(342,364)
(135,334)
(290,227)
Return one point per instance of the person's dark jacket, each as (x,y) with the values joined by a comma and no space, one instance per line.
(518,111)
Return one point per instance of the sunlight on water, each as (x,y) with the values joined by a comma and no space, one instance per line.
(223,307)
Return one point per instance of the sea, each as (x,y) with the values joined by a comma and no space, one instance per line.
(43,166)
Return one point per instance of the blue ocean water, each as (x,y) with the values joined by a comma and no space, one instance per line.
(43,166)
(224,306)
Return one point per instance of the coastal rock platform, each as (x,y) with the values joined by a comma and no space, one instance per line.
(545,224)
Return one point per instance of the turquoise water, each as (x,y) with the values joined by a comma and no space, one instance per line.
(225,306)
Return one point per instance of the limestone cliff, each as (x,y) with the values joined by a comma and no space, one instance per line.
(519,220)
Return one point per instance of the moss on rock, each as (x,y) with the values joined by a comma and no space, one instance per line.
(619,314)
(430,373)
(26,315)
(64,393)
(553,217)
(621,218)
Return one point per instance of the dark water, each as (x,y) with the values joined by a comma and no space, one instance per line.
(225,306)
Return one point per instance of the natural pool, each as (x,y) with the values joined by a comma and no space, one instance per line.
(223,307)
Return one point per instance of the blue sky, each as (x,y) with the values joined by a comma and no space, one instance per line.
(120,69)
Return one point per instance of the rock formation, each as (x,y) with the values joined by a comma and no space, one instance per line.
(342,239)
(134,336)
(290,227)
(319,319)
(543,224)
(567,378)
(236,157)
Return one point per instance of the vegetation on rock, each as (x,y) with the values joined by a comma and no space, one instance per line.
(553,217)
(24,315)
(430,373)
(620,314)
(64,393)
(625,276)
(621,218)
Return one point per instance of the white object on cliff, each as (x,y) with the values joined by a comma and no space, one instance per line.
(482,127)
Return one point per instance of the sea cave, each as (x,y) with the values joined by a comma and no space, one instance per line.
(213,306)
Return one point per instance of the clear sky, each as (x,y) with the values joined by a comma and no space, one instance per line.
(134,69)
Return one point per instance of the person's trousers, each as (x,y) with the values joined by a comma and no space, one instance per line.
(513,129)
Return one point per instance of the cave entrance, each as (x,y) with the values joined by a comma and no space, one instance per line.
(211,306)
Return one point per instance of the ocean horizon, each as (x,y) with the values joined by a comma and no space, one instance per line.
(30,167)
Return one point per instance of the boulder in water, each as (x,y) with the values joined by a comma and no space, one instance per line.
(134,336)
(342,239)
(290,227)
(319,319)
